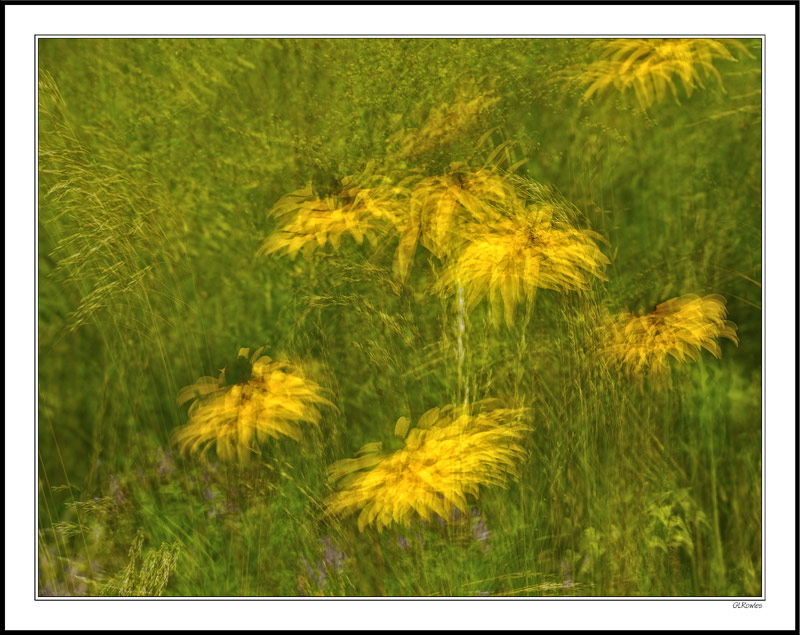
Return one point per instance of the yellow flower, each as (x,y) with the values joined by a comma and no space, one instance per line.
(252,399)
(678,328)
(360,205)
(447,456)
(443,124)
(509,259)
(441,205)
(651,66)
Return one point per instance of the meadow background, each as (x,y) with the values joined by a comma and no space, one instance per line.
(159,160)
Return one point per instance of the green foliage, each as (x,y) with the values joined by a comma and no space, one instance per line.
(159,160)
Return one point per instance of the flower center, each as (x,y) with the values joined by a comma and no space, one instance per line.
(238,371)
(532,237)
(325,185)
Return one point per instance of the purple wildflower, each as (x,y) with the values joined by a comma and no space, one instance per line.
(333,558)
(164,463)
(480,532)
(318,576)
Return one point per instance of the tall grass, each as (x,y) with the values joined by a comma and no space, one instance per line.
(159,161)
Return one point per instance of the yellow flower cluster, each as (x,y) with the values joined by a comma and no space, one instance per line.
(651,66)
(440,206)
(447,456)
(493,238)
(679,328)
(501,237)
(267,399)
(420,210)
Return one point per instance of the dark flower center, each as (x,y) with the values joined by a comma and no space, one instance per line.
(238,371)
(532,236)
(325,185)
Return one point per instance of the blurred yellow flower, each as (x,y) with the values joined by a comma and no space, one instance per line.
(362,206)
(509,259)
(444,123)
(651,66)
(447,456)
(252,399)
(441,205)
(678,328)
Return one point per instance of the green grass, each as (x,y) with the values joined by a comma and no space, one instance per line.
(158,163)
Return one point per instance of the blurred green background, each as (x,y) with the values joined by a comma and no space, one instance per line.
(159,160)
